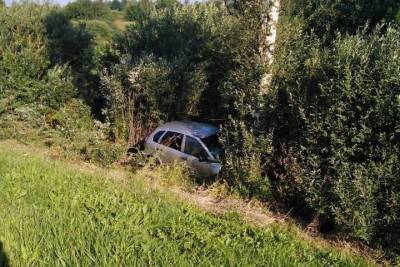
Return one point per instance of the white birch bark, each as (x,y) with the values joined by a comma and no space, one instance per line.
(268,39)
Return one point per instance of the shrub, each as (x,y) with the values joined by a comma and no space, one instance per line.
(325,18)
(26,75)
(37,94)
(243,162)
(67,43)
(100,30)
(336,112)
(140,95)
(138,10)
(117,5)
(189,39)
(212,72)
(81,44)
(86,9)
(246,145)
(166,4)
(162,69)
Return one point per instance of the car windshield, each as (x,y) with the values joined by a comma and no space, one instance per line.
(213,146)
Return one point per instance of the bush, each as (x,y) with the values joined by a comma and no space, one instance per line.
(68,43)
(140,95)
(166,4)
(336,111)
(26,75)
(243,162)
(82,44)
(100,30)
(325,18)
(203,63)
(87,9)
(117,5)
(73,129)
(322,139)
(192,40)
(40,51)
(138,10)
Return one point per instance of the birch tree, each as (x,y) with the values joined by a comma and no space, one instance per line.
(269,21)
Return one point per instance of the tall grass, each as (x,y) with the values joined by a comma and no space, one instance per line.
(53,215)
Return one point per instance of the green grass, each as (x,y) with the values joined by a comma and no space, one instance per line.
(51,215)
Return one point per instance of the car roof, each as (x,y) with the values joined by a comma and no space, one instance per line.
(198,129)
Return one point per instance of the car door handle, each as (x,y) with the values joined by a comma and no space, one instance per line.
(184,158)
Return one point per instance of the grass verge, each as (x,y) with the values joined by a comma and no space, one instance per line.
(52,214)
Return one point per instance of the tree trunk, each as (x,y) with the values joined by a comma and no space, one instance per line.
(269,22)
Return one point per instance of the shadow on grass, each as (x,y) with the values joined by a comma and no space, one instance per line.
(3,257)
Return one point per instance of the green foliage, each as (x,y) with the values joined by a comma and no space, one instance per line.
(141,10)
(138,10)
(42,56)
(204,44)
(397,17)
(243,163)
(87,10)
(241,96)
(325,18)
(94,220)
(166,4)
(100,30)
(117,5)
(70,131)
(82,44)
(67,43)
(323,139)
(26,75)
(335,115)
(94,55)
(140,95)
(175,42)
(73,130)
(214,73)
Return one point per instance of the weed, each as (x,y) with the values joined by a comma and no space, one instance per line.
(54,215)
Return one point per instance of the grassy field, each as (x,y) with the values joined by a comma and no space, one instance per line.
(52,214)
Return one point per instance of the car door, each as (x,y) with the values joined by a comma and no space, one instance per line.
(197,156)
(170,147)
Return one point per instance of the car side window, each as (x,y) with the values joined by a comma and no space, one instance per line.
(172,140)
(157,136)
(194,148)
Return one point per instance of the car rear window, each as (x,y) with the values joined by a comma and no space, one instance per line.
(172,140)
(157,136)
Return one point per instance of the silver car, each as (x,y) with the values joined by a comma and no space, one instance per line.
(193,142)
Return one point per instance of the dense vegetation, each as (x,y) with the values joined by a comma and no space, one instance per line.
(322,139)
(92,220)
(334,116)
